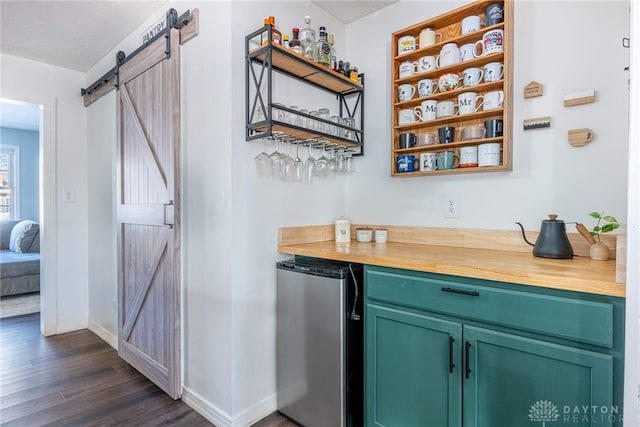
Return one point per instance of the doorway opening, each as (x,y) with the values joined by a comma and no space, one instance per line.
(20,208)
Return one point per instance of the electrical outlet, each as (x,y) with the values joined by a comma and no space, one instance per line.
(452,205)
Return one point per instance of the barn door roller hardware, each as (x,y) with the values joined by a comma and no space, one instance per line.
(172,21)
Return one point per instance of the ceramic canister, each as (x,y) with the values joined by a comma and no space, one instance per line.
(342,230)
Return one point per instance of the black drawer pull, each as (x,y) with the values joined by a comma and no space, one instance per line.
(451,364)
(467,369)
(461,291)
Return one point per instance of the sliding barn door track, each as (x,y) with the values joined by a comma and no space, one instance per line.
(172,21)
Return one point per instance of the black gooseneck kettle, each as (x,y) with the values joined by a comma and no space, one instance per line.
(552,241)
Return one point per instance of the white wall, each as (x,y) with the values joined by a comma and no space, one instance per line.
(260,206)
(632,344)
(555,45)
(25,80)
(101,151)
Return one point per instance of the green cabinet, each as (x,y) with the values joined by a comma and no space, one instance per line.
(509,374)
(448,351)
(409,357)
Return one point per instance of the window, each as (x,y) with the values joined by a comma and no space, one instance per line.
(9,161)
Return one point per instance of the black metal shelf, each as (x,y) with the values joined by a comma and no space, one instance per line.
(262,60)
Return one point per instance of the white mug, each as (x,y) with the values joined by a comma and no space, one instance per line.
(428,37)
(468,102)
(428,162)
(406,92)
(406,116)
(469,156)
(427,87)
(489,154)
(493,71)
(470,24)
(407,68)
(492,42)
(406,44)
(427,110)
(449,55)
(467,52)
(493,100)
(472,76)
(426,63)
(446,109)
(380,236)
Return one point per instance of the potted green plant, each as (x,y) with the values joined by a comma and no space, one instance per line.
(599,250)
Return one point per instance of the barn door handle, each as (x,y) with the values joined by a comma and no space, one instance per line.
(168,214)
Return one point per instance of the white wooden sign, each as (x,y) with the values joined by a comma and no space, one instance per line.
(152,31)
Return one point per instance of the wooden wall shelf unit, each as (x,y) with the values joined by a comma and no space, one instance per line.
(262,61)
(449,26)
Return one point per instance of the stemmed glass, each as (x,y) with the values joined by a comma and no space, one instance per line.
(276,156)
(334,164)
(309,164)
(322,165)
(297,162)
(285,171)
(263,163)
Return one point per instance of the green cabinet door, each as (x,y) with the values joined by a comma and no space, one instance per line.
(520,382)
(412,369)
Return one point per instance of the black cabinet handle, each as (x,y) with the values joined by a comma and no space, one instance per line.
(451,364)
(461,291)
(467,368)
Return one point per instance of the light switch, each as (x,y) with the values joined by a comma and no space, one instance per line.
(68,196)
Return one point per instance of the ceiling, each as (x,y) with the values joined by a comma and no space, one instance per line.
(70,34)
(77,34)
(350,10)
(19,116)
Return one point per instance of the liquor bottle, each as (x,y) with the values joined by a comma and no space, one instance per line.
(308,39)
(285,41)
(334,63)
(276,35)
(264,38)
(323,49)
(294,44)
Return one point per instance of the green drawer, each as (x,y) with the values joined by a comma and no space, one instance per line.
(579,320)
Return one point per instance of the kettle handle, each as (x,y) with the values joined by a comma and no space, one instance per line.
(523,235)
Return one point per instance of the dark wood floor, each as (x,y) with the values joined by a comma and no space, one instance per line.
(76,379)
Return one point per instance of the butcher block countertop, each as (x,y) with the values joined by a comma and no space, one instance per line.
(467,256)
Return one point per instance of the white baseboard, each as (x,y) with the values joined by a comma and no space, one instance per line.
(104,334)
(206,409)
(220,418)
(75,325)
(256,412)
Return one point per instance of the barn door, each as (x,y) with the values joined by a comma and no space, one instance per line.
(148,214)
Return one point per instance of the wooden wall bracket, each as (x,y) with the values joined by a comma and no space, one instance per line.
(579,98)
(533,89)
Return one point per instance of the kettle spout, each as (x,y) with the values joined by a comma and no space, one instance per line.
(524,235)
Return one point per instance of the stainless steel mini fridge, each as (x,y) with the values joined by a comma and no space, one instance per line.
(319,342)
